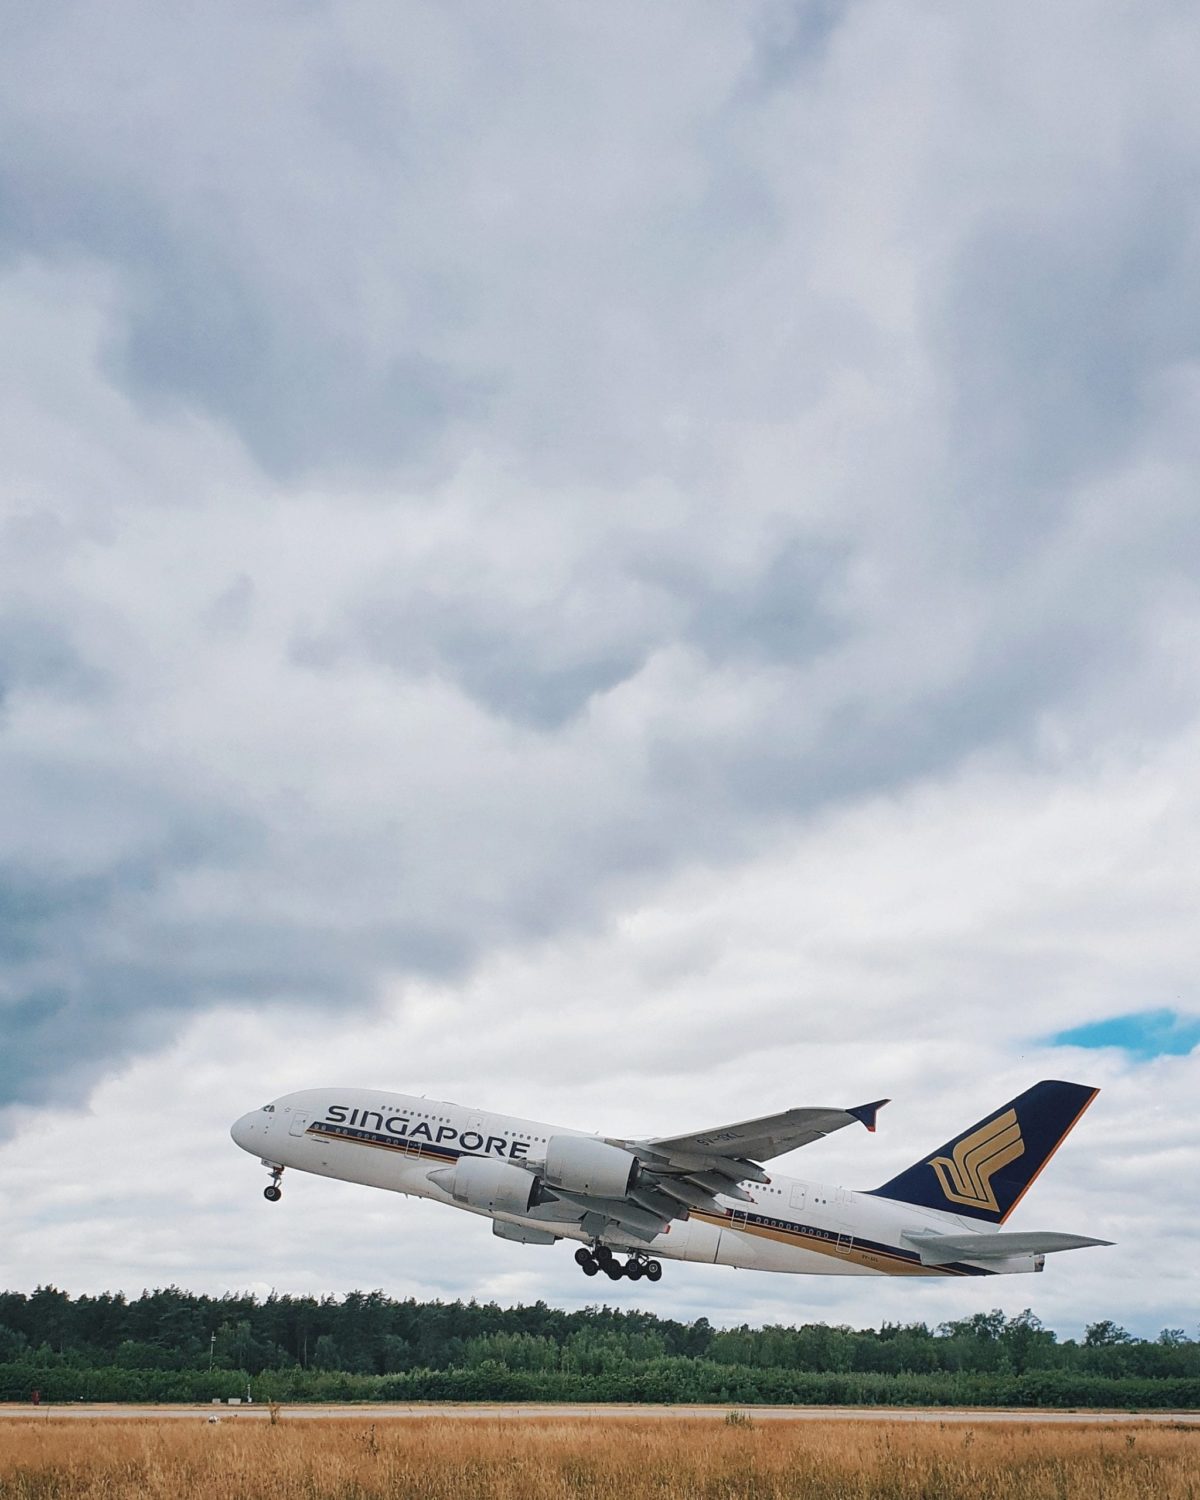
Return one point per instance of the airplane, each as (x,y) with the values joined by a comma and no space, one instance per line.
(704,1196)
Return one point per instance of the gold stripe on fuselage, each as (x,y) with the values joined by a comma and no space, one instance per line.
(890,1262)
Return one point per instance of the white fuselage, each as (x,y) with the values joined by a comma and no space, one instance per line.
(395,1141)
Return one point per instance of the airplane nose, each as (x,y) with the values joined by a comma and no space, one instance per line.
(243,1131)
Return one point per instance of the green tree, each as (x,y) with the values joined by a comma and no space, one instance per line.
(325,1354)
(1026,1341)
(1105,1334)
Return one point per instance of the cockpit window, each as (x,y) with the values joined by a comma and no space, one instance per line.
(268,1109)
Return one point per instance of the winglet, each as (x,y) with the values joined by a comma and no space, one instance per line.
(867,1112)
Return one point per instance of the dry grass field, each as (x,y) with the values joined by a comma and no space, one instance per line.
(626,1460)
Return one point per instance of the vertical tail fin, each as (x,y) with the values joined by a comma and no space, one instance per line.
(986,1171)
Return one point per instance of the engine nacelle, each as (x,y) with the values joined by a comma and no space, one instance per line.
(582,1164)
(494,1186)
(523,1234)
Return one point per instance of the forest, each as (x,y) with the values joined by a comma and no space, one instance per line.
(173,1345)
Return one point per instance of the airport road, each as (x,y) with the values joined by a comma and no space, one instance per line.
(385,1412)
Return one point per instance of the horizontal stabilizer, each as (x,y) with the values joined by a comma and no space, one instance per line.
(941,1249)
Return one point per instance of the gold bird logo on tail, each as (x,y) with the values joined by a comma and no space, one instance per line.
(966,1177)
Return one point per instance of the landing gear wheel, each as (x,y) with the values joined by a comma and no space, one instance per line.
(635,1270)
(614,1270)
(604,1255)
(653,1270)
(582,1256)
(272,1194)
(589,1266)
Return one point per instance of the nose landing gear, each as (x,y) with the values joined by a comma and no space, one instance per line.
(273,1193)
(635,1266)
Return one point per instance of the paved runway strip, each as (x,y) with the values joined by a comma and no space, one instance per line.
(384,1412)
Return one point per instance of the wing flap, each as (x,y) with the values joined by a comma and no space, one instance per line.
(633,1213)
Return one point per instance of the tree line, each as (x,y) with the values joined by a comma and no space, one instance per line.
(170,1344)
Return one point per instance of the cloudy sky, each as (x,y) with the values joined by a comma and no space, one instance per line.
(630,564)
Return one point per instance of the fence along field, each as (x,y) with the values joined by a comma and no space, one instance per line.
(625,1460)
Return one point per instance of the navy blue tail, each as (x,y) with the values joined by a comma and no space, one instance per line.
(986,1171)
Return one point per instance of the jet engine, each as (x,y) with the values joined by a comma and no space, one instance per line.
(582,1164)
(494,1186)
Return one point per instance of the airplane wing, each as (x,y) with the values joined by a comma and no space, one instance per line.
(761,1139)
(682,1172)
(676,1174)
(940,1249)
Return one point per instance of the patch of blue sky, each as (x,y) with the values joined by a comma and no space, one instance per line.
(1144,1034)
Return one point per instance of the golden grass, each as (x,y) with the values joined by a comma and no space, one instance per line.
(628,1459)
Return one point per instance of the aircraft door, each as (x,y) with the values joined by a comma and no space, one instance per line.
(737,1247)
(799,1195)
(845,1234)
(299,1125)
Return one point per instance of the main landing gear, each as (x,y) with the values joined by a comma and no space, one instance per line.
(273,1193)
(601,1258)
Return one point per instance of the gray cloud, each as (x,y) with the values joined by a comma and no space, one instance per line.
(202,326)
(101,967)
(524,668)
(792,39)
(782,614)
(533,462)
(1057,335)
(540,663)
(38,655)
